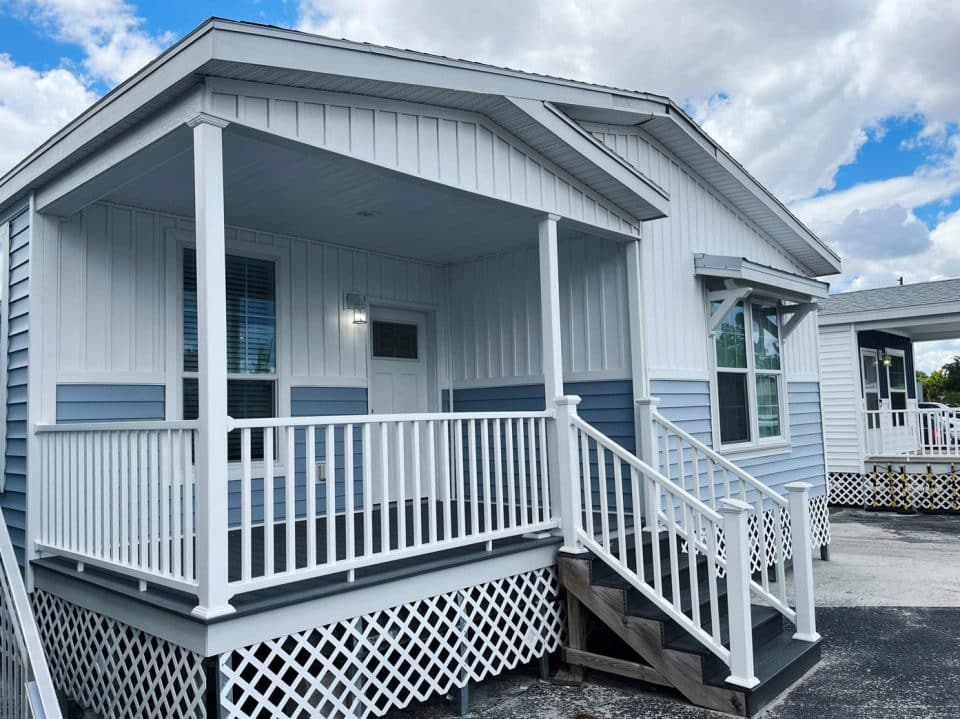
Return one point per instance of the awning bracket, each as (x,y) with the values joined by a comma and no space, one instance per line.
(727,299)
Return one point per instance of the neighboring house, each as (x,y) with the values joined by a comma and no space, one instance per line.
(370,280)
(886,447)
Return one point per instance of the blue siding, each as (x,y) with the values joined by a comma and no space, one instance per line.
(606,404)
(311,402)
(14,497)
(110,402)
(687,403)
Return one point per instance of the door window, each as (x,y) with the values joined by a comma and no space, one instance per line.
(870,371)
(897,379)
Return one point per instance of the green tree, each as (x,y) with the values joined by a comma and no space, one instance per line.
(934,385)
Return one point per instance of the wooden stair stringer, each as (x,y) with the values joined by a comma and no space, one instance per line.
(682,670)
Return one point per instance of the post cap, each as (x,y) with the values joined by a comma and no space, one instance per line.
(798,487)
(733,506)
(568,399)
(652,401)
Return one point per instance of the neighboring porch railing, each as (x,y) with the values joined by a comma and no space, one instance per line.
(612,485)
(911,433)
(124,496)
(26,688)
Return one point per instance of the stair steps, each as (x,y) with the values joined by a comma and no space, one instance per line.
(674,656)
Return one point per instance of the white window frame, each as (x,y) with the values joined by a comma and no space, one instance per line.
(757,446)
(281,383)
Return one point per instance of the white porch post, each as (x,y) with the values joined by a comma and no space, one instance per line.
(799,498)
(563,464)
(212,348)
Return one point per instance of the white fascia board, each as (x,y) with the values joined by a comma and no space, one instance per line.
(53,197)
(621,172)
(178,62)
(917,315)
(756,275)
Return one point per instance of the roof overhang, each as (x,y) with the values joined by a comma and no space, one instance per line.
(740,272)
(921,323)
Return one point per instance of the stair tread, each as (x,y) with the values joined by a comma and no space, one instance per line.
(762,617)
(772,658)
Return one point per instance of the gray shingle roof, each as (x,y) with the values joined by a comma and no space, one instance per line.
(896,297)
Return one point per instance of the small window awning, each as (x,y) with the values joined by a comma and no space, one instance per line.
(742,278)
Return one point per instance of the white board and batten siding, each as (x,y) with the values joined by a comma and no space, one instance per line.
(118,308)
(495,315)
(840,383)
(701,221)
(456,148)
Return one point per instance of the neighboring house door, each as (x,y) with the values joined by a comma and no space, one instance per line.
(899,430)
(870,375)
(398,385)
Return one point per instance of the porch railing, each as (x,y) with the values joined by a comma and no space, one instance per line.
(26,688)
(403,485)
(121,495)
(911,433)
(307,496)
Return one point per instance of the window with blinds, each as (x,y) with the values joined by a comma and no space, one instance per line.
(251,342)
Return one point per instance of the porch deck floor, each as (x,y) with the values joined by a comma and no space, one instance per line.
(317,587)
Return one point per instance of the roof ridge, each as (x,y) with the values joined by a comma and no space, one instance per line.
(894,287)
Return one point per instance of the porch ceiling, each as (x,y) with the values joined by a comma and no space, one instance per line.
(274,185)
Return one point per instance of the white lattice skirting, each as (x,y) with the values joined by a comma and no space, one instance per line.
(116,670)
(909,491)
(370,664)
(819,533)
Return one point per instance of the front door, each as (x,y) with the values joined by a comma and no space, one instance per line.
(870,375)
(399,376)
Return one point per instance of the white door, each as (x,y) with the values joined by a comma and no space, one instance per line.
(870,374)
(398,385)
(900,435)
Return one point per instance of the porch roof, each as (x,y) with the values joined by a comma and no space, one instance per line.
(924,311)
(539,110)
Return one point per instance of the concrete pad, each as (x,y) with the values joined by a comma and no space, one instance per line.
(890,560)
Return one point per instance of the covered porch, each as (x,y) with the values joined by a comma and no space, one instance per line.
(289,420)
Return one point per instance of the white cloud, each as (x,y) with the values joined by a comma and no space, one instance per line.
(929,356)
(109,32)
(884,233)
(33,105)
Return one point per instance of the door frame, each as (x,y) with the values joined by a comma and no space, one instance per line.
(427,344)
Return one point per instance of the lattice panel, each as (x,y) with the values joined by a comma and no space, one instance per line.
(385,660)
(115,670)
(819,533)
(895,489)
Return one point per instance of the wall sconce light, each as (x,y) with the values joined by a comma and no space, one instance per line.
(357,303)
(885,358)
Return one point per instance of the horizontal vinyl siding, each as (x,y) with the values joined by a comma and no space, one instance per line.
(840,385)
(14,497)
(687,404)
(110,403)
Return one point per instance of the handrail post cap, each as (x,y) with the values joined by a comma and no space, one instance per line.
(798,487)
(568,400)
(651,401)
(733,506)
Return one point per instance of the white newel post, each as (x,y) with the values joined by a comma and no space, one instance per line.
(644,410)
(212,349)
(737,540)
(567,478)
(799,499)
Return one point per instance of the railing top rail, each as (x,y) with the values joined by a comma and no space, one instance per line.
(26,625)
(266,422)
(641,466)
(745,476)
(131,426)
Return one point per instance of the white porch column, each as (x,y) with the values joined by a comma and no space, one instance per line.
(212,348)
(550,310)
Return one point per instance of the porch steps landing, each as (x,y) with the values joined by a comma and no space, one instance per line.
(651,647)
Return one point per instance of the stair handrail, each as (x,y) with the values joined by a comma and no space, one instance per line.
(699,526)
(797,509)
(37,695)
(718,458)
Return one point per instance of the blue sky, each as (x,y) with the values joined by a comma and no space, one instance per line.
(849,109)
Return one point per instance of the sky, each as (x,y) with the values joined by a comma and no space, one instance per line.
(849,110)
